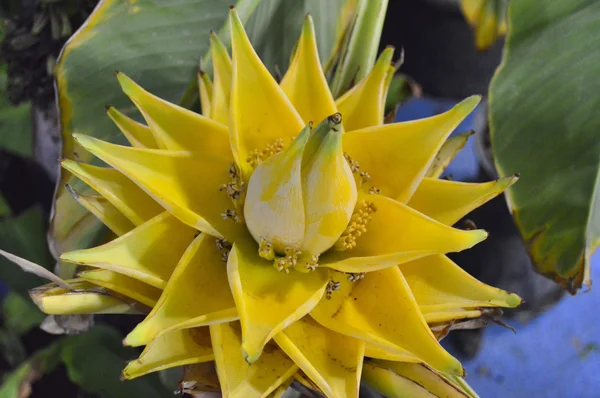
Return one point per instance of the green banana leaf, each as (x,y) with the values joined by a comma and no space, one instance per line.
(24,236)
(15,127)
(99,376)
(19,382)
(159,44)
(275,27)
(545,125)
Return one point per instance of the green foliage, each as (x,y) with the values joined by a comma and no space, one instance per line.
(102,374)
(25,236)
(93,360)
(360,50)
(20,314)
(275,26)
(18,383)
(15,128)
(544,124)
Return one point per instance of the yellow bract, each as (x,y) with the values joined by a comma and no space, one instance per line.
(197,295)
(139,253)
(181,347)
(319,351)
(256,287)
(273,210)
(274,250)
(328,188)
(363,105)
(487,18)
(261,113)
(105,211)
(85,299)
(304,82)
(219,104)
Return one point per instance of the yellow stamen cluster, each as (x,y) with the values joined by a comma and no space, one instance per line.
(224,247)
(363,176)
(231,214)
(355,277)
(332,286)
(235,190)
(283,264)
(256,157)
(356,227)
(313,263)
(265,249)
(354,165)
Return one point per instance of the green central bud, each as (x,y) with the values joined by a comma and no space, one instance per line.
(300,200)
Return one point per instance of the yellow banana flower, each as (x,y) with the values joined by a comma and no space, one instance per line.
(283,234)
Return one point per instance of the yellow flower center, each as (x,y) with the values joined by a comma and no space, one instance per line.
(300,198)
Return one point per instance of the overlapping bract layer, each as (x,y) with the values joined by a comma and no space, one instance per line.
(205,203)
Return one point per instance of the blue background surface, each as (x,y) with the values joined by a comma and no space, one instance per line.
(554,355)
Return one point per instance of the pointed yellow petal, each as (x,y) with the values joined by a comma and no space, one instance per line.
(197,294)
(449,201)
(86,299)
(386,88)
(471,10)
(148,253)
(274,210)
(461,384)
(117,189)
(363,105)
(239,378)
(487,25)
(329,188)
(439,284)
(397,379)
(205,87)
(105,211)
(434,382)
(381,309)
(178,348)
(280,391)
(390,353)
(128,287)
(333,361)
(397,234)
(219,107)
(447,153)
(268,300)
(301,378)
(398,155)
(176,127)
(304,82)
(449,316)
(260,111)
(185,185)
(391,385)
(138,135)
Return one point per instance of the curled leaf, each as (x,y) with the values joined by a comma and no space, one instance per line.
(36,269)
